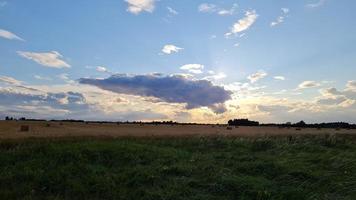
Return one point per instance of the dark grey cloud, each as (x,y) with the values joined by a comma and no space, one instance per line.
(172,89)
(331,101)
(67,101)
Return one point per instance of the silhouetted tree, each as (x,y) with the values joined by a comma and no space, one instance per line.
(242,122)
(301,124)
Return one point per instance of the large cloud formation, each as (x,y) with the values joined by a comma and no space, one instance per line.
(172,89)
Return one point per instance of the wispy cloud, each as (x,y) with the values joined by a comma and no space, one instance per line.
(207,7)
(172,11)
(10,36)
(281,78)
(215,76)
(257,76)
(48,59)
(244,23)
(316,4)
(169,48)
(308,84)
(137,6)
(103,70)
(212,8)
(10,80)
(193,68)
(280,19)
(38,77)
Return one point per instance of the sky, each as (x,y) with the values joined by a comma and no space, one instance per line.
(187,61)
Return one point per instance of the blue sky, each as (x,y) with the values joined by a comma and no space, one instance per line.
(275,60)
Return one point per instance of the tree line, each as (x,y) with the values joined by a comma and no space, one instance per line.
(300,124)
(231,122)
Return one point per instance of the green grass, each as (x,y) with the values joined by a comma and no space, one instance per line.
(303,167)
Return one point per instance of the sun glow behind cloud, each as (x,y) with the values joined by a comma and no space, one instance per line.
(211,62)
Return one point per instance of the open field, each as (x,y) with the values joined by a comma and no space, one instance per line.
(297,167)
(11,129)
(68,160)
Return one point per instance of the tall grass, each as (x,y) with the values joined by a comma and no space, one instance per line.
(291,167)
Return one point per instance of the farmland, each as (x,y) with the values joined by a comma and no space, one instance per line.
(126,161)
(11,130)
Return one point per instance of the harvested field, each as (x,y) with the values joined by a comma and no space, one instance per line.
(12,130)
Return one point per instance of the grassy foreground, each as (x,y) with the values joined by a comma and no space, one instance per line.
(300,167)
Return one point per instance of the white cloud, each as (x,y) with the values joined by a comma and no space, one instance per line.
(193,68)
(48,59)
(42,78)
(65,77)
(172,11)
(308,84)
(206,7)
(101,69)
(230,11)
(137,6)
(10,36)
(214,76)
(280,19)
(10,80)
(281,78)
(244,23)
(316,4)
(256,76)
(285,10)
(212,8)
(351,85)
(169,48)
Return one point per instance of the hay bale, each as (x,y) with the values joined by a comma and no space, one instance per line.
(25,128)
(229,128)
(298,129)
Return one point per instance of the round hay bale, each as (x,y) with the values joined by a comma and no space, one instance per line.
(25,128)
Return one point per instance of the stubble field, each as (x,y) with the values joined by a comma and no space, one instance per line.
(110,161)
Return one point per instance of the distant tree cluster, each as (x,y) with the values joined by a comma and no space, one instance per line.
(7,118)
(242,122)
(300,124)
(231,122)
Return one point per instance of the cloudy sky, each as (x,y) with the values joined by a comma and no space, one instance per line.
(181,60)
